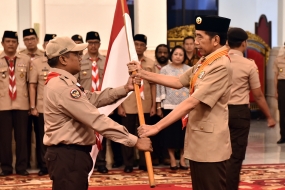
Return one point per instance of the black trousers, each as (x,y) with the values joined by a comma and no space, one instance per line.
(116,147)
(239,124)
(40,147)
(159,150)
(281,106)
(208,175)
(131,122)
(101,157)
(17,120)
(32,123)
(68,167)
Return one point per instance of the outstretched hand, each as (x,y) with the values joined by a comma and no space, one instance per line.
(147,130)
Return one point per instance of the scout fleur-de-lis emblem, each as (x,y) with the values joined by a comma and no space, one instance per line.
(79,37)
(198,20)
(31,30)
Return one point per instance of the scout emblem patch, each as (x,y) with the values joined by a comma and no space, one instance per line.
(201,75)
(75,93)
(198,20)
(280,70)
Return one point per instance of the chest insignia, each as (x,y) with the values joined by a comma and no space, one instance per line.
(201,75)
(84,73)
(75,93)
(3,75)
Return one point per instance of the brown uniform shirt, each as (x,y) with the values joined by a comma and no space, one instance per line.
(279,67)
(37,54)
(71,116)
(85,75)
(245,78)
(130,104)
(21,74)
(207,136)
(39,70)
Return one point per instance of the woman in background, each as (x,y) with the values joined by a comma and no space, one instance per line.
(168,99)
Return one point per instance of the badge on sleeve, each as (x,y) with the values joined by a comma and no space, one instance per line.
(75,93)
(201,75)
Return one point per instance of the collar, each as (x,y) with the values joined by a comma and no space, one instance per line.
(64,73)
(3,54)
(87,56)
(213,53)
(233,51)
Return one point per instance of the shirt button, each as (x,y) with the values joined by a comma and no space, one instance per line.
(202,128)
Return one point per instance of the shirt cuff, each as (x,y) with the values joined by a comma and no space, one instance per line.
(121,91)
(132,140)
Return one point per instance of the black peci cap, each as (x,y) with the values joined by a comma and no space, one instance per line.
(140,37)
(237,35)
(10,34)
(212,24)
(28,32)
(49,37)
(77,37)
(92,36)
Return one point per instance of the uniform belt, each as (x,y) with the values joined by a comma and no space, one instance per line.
(237,105)
(85,148)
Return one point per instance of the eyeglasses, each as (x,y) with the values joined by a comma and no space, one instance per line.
(93,43)
(29,39)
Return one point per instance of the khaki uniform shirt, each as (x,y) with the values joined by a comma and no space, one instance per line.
(279,67)
(85,75)
(21,74)
(207,136)
(245,78)
(37,54)
(71,115)
(39,70)
(130,104)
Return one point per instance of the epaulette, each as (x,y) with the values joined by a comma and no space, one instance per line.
(249,59)
(66,80)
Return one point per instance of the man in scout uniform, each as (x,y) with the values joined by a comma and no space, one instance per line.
(71,117)
(47,38)
(245,78)
(128,109)
(14,105)
(160,153)
(279,84)
(31,40)
(191,54)
(39,70)
(207,139)
(90,77)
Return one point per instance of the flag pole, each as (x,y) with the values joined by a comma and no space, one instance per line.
(141,117)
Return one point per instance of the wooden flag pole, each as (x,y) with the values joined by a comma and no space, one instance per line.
(140,111)
(142,122)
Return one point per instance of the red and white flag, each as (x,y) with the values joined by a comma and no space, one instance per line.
(120,52)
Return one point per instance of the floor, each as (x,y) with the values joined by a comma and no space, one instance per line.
(262,147)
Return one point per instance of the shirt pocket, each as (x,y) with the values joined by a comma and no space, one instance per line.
(85,72)
(205,127)
(21,73)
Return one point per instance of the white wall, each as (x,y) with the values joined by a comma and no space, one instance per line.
(69,17)
(244,14)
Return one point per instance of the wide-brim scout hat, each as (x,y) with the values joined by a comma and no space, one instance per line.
(62,45)
(92,36)
(237,35)
(49,37)
(212,23)
(29,31)
(10,34)
(141,38)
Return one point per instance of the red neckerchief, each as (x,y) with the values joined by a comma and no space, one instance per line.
(51,75)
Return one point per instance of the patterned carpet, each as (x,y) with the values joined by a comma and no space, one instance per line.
(253,177)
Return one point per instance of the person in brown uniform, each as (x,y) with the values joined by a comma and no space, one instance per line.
(78,40)
(189,46)
(207,140)
(14,105)
(39,70)
(47,38)
(90,61)
(31,40)
(71,117)
(279,84)
(128,109)
(245,78)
